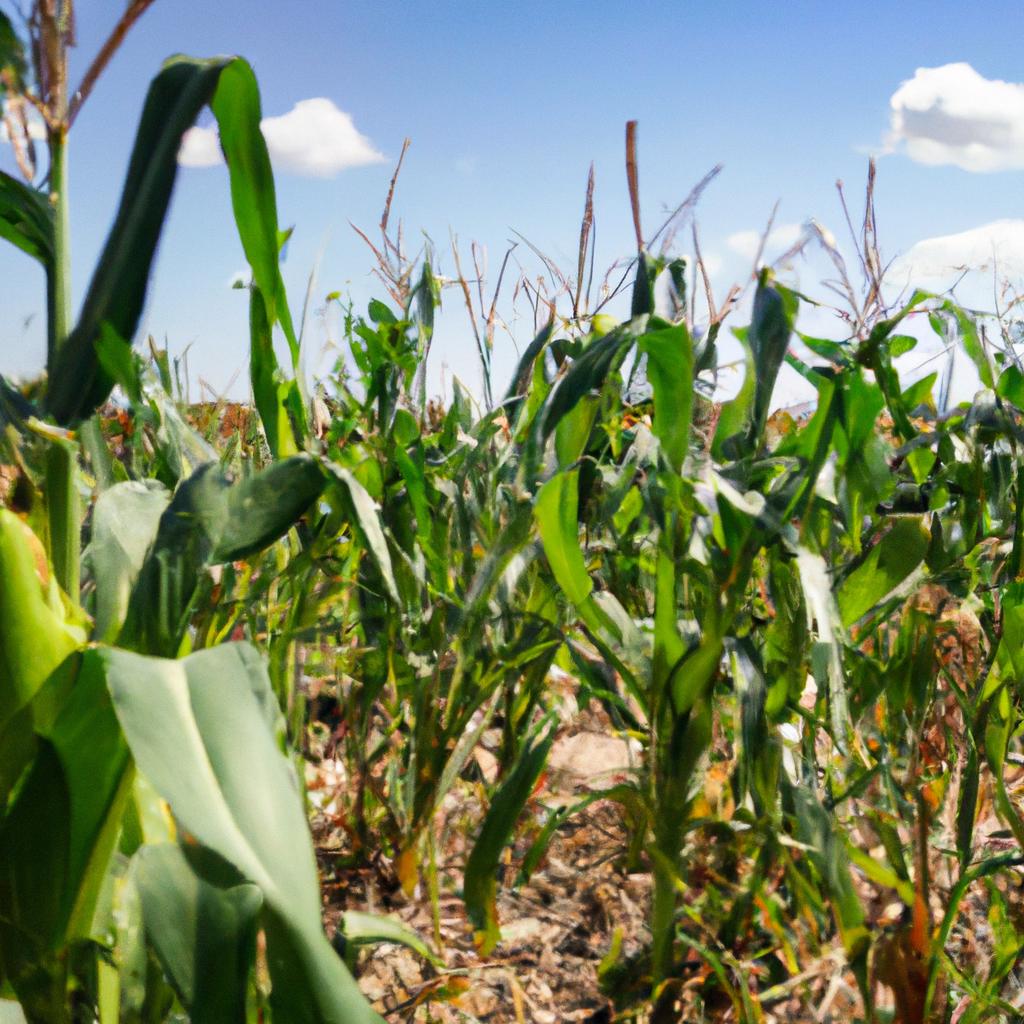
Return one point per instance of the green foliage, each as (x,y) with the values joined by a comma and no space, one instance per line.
(812,628)
(206,732)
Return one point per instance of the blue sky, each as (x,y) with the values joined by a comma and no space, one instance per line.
(506,106)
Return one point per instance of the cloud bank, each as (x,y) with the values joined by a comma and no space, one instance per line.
(314,140)
(953,115)
(990,251)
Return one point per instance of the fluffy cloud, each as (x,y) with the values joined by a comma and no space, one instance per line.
(937,263)
(746,243)
(314,139)
(952,115)
(200,147)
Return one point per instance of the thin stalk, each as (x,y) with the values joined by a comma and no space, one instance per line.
(62,499)
(434,885)
(58,279)
(664,898)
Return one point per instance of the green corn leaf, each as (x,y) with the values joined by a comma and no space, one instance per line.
(967,806)
(212,519)
(556,514)
(826,649)
(1011,386)
(125,520)
(480,884)
(12,55)
(814,828)
(735,413)
(771,326)
(632,505)
(524,371)
(117,293)
(367,517)
(26,219)
(202,926)
(888,565)
(361,929)
(989,866)
(573,430)
(412,470)
(269,389)
(114,301)
(974,345)
(63,822)
(236,105)
(588,373)
(648,268)
(198,730)
(264,506)
(670,370)
(34,840)
(282,403)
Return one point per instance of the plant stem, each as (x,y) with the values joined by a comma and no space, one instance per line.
(663,923)
(62,501)
(58,280)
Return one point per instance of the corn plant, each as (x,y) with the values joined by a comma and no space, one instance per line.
(446,628)
(96,737)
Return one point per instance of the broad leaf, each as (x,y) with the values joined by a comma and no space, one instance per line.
(556,511)
(888,565)
(366,517)
(211,519)
(670,370)
(26,219)
(203,928)
(125,519)
(198,731)
(117,293)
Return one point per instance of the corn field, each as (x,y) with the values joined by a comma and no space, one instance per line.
(289,691)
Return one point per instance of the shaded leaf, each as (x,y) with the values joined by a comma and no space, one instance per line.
(117,292)
(480,883)
(203,929)
(361,929)
(26,219)
(125,519)
(888,564)
(198,730)
(212,518)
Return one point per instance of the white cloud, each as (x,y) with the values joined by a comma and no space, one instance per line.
(952,115)
(200,147)
(314,139)
(746,243)
(317,139)
(712,263)
(972,258)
